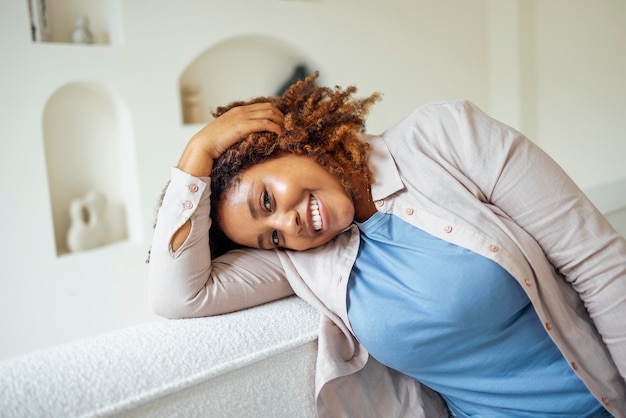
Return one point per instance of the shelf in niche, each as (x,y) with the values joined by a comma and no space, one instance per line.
(89,148)
(238,68)
(54,21)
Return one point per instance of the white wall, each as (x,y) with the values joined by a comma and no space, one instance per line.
(581,86)
(413,52)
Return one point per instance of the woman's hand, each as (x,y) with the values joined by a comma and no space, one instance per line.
(217,136)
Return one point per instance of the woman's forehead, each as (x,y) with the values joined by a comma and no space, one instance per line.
(236,194)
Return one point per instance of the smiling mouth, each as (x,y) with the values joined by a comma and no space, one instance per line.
(315,214)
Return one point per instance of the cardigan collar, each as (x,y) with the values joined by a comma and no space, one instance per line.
(386,177)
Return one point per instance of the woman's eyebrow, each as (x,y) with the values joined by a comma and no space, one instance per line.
(251,205)
(255,215)
(260,242)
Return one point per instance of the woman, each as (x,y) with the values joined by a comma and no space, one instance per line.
(457,268)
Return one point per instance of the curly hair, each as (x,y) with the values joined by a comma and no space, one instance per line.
(320,122)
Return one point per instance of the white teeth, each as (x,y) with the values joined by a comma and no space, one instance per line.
(315,214)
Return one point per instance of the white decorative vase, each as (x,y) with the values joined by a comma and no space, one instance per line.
(82,34)
(88,228)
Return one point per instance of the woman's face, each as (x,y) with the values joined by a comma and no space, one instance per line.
(288,202)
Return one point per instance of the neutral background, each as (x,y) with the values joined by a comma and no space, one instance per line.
(554,69)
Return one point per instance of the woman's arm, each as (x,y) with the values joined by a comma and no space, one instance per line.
(184,281)
(523,181)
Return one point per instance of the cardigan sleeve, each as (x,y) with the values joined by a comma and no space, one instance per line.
(524,182)
(187,282)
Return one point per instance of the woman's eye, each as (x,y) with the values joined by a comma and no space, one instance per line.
(266,201)
(275,238)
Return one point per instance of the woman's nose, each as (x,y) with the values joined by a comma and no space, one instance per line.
(289,223)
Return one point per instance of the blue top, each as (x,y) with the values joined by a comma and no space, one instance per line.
(460,324)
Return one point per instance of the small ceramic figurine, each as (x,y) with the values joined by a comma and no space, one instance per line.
(82,34)
(88,227)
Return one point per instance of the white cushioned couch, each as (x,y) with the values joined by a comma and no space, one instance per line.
(259,362)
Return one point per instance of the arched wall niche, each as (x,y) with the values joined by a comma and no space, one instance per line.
(89,150)
(239,68)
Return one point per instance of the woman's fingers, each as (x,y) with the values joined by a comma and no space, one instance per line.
(229,128)
(256,117)
(236,124)
(266,111)
(261,111)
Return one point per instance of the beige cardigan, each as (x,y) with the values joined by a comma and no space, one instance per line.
(456,173)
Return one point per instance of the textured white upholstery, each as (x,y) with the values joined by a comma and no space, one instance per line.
(258,362)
